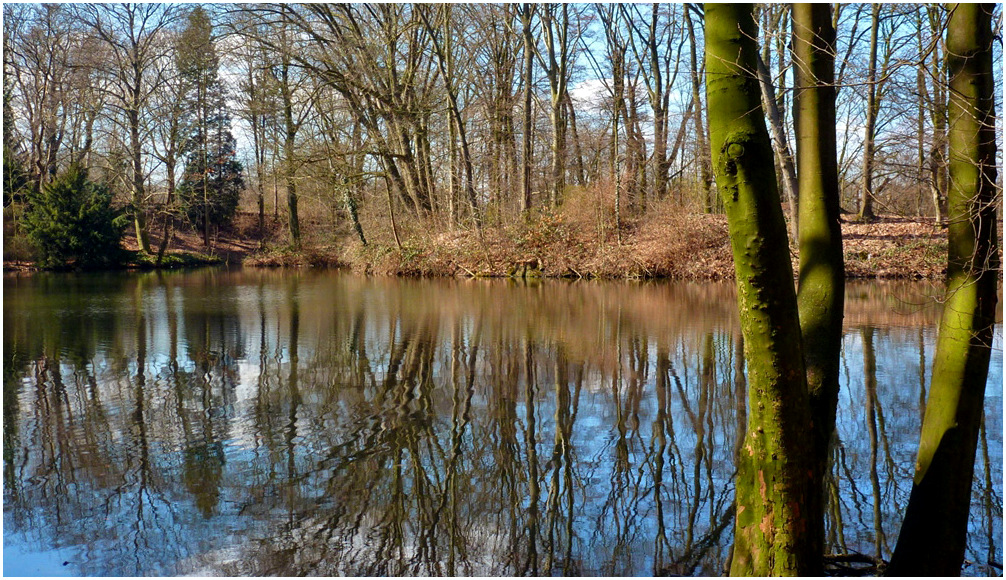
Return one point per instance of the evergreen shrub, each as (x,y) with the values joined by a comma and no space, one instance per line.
(72,223)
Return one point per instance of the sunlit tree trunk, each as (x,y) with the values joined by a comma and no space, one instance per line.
(705,176)
(782,152)
(555,31)
(869,143)
(526,14)
(938,108)
(772,532)
(932,540)
(658,102)
(578,169)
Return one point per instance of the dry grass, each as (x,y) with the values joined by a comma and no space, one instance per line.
(580,240)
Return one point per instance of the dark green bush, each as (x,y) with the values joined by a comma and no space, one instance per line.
(71,222)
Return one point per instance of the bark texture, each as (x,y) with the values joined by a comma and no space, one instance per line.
(771,533)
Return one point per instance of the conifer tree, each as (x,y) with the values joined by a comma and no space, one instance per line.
(212,181)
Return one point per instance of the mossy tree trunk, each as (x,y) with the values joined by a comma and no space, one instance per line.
(821,293)
(932,540)
(772,530)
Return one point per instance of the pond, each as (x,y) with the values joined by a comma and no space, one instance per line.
(236,422)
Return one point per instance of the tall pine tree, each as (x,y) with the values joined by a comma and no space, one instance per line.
(212,181)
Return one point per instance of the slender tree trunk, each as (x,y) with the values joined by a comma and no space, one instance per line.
(920,86)
(821,294)
(203,138)
(139,203)
(772,533)
(616,54)
(579,173)
(258,142)
(636,150)
(782,152)
(169,218)
(527,12)
(350,199)
(937,156)
(556,34)
(453,185)
(869,143)
(705,175)
(289,153)
(658,104)
(679,140)
(934,532)
(290,128)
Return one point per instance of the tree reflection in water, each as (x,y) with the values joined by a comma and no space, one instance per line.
(261,423)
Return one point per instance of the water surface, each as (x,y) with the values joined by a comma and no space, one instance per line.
(276,423)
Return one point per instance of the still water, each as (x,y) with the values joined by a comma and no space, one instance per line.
(275,423)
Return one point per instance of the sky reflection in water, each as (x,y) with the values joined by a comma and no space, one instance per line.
(264,423)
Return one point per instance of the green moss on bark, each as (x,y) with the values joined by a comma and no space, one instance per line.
(771,527)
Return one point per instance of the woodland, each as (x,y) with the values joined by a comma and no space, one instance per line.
(454,140)
(523,134)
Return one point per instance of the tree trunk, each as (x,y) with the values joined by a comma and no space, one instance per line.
(527,12)
(866,196)
(658,102)
(782,151)
(636,149)
(169,217)
(290,127)
(203,137)
(136,152)
(705,176)
(350,198)
(258,142)
(933,535)
(937,156)
(556,35)
(578,171)
(772,526)
(920,86)
(821,294)
(289,161)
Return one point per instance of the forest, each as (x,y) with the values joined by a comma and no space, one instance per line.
(416,133)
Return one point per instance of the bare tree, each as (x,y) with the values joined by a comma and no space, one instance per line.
(133,34)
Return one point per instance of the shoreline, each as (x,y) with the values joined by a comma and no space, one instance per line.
(692,247)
